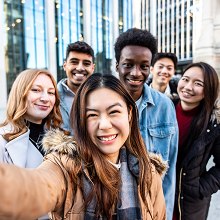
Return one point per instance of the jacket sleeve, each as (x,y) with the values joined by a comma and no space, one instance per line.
(210,181)
(28,194)
(159,209)
(169,181)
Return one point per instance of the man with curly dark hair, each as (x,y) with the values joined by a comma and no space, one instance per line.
(134,50)
(79,65)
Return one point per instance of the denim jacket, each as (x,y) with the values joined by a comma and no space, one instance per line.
(159,129)
(65,110)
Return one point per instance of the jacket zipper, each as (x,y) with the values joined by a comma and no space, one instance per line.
(180,193)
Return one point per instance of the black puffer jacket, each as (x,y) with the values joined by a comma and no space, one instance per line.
(194,184)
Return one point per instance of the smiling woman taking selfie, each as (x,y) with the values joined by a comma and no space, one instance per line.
(198,116)
(106,173)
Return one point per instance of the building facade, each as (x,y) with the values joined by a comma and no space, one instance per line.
(177,25)
(36,33)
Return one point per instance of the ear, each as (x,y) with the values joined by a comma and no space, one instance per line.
(64,65)
(130,113)
(151,69)
(93,67)
(116,66)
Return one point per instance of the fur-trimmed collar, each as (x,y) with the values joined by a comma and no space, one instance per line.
(57,141)
(216,112)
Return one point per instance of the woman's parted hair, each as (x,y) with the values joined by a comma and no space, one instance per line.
(17,105)
(107,179)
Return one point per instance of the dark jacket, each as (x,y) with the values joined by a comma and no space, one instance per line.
(194,184)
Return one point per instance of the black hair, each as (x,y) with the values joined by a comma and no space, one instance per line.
(80,47)
(135,37)
(160,56)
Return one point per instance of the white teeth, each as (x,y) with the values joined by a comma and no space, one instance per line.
(108,138)
(79,75)
(186,93)
(134,81)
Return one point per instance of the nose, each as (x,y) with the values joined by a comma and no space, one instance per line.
(80,67)
(136,71)
(188,86)
(44,96)
(164,70)
(105,123)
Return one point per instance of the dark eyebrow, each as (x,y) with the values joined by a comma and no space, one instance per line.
(195,80)
(75,59)
(111,106)
(132,60)
(165,65)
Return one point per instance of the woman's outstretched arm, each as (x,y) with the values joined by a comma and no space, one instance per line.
(31,193)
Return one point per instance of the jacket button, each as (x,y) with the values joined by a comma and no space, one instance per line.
(184,174)
(208,130)
(215,125)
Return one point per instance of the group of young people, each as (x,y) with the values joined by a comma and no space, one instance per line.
(111,148)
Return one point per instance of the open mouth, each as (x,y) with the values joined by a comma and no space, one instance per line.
(187,94)
(79,75)
(134,81)
(107,138)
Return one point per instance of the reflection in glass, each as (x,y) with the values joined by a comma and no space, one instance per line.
(24,37)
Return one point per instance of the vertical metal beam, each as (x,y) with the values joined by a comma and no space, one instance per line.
(3,81)
(188,30)
(136,5)
(87,21)
(159,28)
(168,27)
(153,17)
(182,30)
(50,33)
(177,29)
(172,27)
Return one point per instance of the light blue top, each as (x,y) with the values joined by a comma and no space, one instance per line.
(159,129)
(66,101)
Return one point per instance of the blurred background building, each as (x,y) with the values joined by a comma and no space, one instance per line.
(35,33)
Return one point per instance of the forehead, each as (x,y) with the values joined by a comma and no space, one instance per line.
(43,80)
(194,73)
(97,98)
(79,56)
(136,53)
(165,61)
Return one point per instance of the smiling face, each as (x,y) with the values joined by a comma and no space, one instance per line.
(162,71)
(78,67)
(134,68)
(107,121)
(191,88)
(40,99)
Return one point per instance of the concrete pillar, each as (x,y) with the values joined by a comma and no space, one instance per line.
(87,21)
(136,5)
(50,31)
(153,17)
(205,46)
(3,81)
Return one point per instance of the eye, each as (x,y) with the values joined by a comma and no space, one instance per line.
(128,65)
(74,62)
(87,64)
(51,93)
(198,84)
(114,112)
(91,115)
(145,67)
(35,90)
(185,79)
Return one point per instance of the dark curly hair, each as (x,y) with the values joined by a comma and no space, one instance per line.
(136,37)
(80,47)
(160,56)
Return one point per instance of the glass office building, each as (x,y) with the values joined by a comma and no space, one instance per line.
(28,37)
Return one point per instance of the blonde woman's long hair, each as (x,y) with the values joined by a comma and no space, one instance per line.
(17,105)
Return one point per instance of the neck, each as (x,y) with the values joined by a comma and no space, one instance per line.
(159,87)
(188,106)
(73,87)
(136,95)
